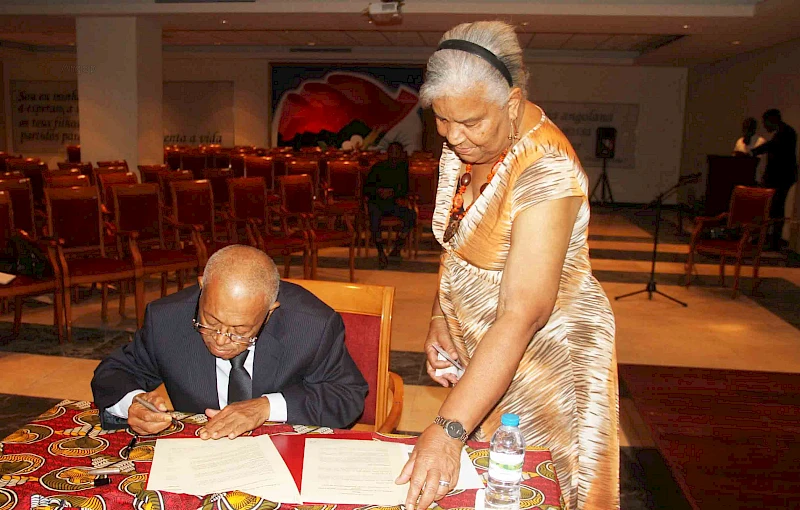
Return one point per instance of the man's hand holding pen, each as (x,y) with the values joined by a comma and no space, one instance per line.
(148,414)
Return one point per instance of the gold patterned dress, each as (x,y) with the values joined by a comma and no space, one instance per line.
(565,388)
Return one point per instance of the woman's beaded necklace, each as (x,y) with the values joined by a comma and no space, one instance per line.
(457,211)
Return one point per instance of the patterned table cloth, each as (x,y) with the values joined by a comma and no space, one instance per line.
(38,467)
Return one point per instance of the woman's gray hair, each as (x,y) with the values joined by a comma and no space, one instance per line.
(245,265)
(456,72)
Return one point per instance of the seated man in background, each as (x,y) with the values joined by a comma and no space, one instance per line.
(243,348)
(386,190)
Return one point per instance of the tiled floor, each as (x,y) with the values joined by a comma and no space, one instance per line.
(713,332)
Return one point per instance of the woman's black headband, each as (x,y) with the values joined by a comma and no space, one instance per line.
(478,51)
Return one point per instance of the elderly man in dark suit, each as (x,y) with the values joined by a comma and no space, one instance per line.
(243,348)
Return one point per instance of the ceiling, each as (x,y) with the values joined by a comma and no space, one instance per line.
(682,35)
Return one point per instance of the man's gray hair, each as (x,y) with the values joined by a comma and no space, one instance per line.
(249,266)
(456,72)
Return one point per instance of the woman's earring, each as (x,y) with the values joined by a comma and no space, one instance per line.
(514,134)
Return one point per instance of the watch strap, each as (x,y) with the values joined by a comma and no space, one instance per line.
(444,422)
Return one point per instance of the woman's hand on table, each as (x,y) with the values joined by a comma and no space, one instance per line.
(145,422)
(436,457)
(236,419)
(439,334)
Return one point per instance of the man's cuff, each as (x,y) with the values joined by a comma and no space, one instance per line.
(277,407)
(120,409)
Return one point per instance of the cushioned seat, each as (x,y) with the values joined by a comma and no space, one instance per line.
(159,257)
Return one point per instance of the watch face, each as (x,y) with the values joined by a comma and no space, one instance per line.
(455,429)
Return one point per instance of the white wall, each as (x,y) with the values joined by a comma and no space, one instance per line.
(722,94)
(660,93)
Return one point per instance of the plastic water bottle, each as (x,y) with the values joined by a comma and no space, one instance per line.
(506,456)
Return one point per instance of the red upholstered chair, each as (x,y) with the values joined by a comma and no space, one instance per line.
(297,200)
(66,181)
(73,153)
(366,311)
(34,169)
(309,166)
(22,286)
(173,158)
(104,170)
(218,177)
(165,181)
(423,180)
(193,207)
(116,162)
(237,164)
(106,183)
(221,159)
(195,162)
(150,173)
(746,224)
(74,216)
(249,205)
(21,195)
(83,168)
(137,215)
(264,167)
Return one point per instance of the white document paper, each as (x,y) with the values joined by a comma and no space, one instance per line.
(197,467)
(468,477)
(353,472)
(449,370)
(6,278)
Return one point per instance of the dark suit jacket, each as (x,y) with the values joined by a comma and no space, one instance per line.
(300,353)
(781,151)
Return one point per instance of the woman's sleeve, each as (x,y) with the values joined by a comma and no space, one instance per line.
(551,177)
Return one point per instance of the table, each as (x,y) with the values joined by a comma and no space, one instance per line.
(38,466)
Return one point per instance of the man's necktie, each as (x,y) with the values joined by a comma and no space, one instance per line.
(240,386)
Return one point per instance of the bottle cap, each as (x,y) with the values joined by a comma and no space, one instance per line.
(510,420)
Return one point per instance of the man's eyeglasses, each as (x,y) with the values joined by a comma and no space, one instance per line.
(209,332)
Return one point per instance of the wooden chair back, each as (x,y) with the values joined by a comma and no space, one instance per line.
(21,196)
(108,181)
(248,198)
(344,180)
(173,159)
(73,153)
(218,177)
(116,162)
(422,182)
(749,205)
(165,180)
(62,172)
(138,207)
(194,162)
(367,314)
(6,224)
(66,181)
(83,168)
(221,160)
(724,174)
(34,169)
(150,173)
(263,167)
(73,214)
(238,164)
(193,204)
(297,193)
(104,170)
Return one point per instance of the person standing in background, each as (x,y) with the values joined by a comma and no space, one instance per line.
(781,169)
(749,141)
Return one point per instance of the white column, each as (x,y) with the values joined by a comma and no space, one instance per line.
(120,89)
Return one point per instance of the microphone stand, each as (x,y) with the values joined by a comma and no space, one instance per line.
(651,287)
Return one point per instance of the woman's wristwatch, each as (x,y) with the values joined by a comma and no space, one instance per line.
(453,428)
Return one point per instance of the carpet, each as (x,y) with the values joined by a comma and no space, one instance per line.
(730,437)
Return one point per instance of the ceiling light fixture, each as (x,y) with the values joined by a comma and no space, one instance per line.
(524,23)
(224,21)
(685,27)
(736,43)
(311,43)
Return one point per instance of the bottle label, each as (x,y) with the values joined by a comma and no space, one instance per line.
(506,467)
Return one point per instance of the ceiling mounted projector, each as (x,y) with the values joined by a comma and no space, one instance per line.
(385,13)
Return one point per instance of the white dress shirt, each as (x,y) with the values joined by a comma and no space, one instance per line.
(277,404)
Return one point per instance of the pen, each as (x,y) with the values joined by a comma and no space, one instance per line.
(104,471)
(448,358)
(150,407)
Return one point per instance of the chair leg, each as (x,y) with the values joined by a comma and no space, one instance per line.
(68,314)
(17,314)
(722,269)
(163,284)
(138,294)
(104,303)
(352,263)
(287,265)
(756,279)
(75,294)
(314,255)
(689,265)
(737,269)
(123,291)
(306,264)
(58,313)
(179,276)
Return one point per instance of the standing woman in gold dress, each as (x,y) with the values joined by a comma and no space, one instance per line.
(517,303)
